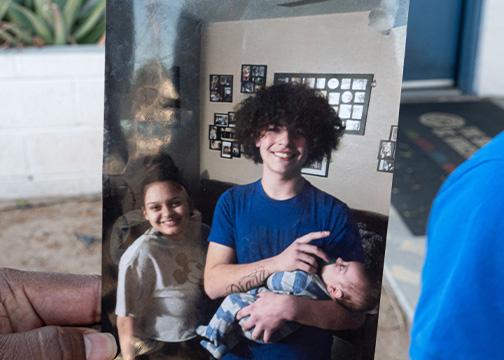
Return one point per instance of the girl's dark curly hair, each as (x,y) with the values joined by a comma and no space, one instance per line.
(297,107)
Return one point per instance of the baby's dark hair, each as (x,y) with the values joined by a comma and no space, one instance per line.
(162,168)
(296,107)
(364,297)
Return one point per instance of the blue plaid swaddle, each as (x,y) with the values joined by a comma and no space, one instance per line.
(224,332)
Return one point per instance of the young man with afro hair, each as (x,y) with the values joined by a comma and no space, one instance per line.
(282,223)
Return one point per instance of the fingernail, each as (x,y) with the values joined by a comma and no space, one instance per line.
(100,346)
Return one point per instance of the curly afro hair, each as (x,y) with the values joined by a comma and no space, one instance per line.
(298,108)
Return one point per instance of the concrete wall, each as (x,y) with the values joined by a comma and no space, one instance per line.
(51,121)
(489,72)
(338,43)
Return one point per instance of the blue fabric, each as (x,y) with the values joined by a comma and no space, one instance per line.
(258,227)
(461,307)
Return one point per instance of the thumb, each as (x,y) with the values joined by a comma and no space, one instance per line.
(58,343)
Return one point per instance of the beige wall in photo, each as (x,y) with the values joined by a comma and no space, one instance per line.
(337,43)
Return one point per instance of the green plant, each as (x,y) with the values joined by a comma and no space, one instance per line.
(51,22)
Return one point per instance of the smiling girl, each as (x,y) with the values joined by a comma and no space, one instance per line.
(159,293)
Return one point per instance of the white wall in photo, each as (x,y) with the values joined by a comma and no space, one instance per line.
(337,43)
(51,121)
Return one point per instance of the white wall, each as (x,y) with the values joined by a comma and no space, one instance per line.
(51,121)
(489,79)
(338,43)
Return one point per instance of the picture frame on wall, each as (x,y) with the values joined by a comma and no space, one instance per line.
(317,168)
(393,133)
(226,150)
(387,150)
(246,73)
(385,165)
(215,144)
(348,94)
(236,150)
(221,88)
(253,77)
(227,134)
(231,119)
(221,119)
(214,132)
(221,133)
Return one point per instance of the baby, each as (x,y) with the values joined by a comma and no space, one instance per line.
(159,292)
(343,281)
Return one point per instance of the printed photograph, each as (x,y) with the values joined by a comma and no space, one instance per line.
(393,133)
(221,88)
(253,78)
(215,144)
(226,151)
(189,227)
(387,150)
(385,165)
(221,119)
(231,119)
(213,132)
(235,150)
(317,168)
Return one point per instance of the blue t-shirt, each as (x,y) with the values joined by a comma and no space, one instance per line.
(461,307)
(258,227)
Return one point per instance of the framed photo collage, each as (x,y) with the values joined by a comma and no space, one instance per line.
(221,88)
(253,77)
(348,94)
(386,152)
(221,136)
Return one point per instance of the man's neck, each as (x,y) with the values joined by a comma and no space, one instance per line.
(282,188)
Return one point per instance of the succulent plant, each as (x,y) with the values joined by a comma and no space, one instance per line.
(51,22)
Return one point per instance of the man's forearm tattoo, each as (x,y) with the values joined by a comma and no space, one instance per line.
(250,281)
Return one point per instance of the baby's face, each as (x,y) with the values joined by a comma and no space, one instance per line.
(341,277)
(166,207)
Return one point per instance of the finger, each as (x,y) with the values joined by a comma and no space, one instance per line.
(257,333)
(243,312)
(58,343)
(267,336)
(308,259)
(312,236)
(314,250)
(306,267)
(33,299)
(247,324)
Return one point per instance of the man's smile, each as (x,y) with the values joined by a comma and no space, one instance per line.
(284,155)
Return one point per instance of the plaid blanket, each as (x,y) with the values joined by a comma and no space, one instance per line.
(224,332)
